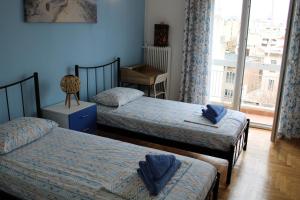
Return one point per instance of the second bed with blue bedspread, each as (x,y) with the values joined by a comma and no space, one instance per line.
(169,120)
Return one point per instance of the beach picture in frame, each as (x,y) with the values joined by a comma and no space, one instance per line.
(61,11)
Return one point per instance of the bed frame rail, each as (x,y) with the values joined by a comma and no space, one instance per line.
(35,77)
(20,83)
(214,190)
(112,65)
(236,150)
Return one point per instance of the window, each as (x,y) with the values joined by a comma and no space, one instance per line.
(230,76)
(247,43)
(271,85)
(264,44)
(228,93)
(274,62)
(233,77)
(225,45)
(227,77)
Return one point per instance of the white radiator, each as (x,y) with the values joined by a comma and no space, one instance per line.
(160,58)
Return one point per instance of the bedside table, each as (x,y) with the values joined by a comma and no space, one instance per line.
(79,117)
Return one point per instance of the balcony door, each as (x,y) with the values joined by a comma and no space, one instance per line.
(248,40)
(225,45)
(267,29)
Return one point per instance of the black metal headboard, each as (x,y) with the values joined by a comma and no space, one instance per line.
(114,67)
(20,83)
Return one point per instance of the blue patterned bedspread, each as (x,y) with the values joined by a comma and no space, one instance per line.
(166,119)
(66,164)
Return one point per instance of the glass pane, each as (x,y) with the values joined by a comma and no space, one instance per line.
(225,39)
(264,54)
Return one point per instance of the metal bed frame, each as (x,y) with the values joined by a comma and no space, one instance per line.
(212,194)
(112,65)
(214,190)
(230,155)
(20,83)
(35,78)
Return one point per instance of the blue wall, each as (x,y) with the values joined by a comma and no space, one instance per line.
(53,49)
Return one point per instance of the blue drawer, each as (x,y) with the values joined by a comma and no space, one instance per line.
(84,120)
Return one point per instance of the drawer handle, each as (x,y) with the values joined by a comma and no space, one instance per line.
(84,116)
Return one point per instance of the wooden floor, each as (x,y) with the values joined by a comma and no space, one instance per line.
(264,172)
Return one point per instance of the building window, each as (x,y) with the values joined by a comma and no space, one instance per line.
(264,44)
(271,85)
(274,62)
(230,76)
(265,39)
(228,93)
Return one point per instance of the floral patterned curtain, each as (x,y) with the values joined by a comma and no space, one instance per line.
(194,84)
(289,121)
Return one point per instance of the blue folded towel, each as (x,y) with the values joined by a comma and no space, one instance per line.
(215,110)
(156,185)
(159,164)
(212,118)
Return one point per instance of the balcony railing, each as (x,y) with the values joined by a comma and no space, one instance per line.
(248,64)
(259,87)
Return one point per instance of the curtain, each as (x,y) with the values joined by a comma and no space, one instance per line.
(194,83)
(289,120)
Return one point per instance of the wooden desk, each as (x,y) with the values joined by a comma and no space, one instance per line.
(140,75)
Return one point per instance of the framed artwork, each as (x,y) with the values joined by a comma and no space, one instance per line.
(61,11)
(161,35)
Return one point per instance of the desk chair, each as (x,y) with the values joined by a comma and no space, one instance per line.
(160,85)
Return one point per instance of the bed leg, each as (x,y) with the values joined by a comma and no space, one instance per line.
(149,90)
(230,164)
(229,172)
(216,188)
(246,135)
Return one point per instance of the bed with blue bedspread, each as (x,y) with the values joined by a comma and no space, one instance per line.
(174,121)
(169,123)
(65,164)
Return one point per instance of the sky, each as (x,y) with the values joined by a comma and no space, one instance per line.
(260,9)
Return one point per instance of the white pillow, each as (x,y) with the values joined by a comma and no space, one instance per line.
(118,96)
(21,131)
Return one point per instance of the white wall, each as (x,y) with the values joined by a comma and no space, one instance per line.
(169,12)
